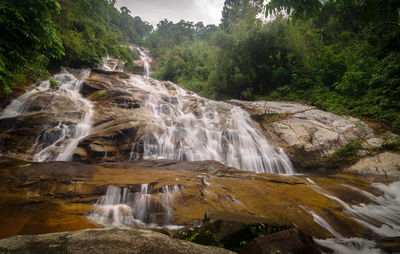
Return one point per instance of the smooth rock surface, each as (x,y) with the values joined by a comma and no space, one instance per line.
(108,240)
(37,198)
(387,163)
(309,135)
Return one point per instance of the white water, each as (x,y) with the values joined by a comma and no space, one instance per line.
(68,135)
(122,207)
(381,217)
(167,197)
(188,127)
(111,64)
(145,59)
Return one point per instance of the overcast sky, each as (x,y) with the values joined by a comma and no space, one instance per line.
(207,11)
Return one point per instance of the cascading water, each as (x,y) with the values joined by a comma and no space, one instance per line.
(111,64)
(382,218)
(57,142)
(145,59)
(124,207)
(187,127)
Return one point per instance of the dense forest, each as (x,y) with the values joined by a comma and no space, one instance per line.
(340,55)
(74,33)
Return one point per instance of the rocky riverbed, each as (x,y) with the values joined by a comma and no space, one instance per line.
(142,153)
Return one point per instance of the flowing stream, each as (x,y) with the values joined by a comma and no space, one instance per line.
(127,207)
(57,142)
(381,218)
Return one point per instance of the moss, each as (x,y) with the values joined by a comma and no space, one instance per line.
(345,156)
(124,76)
(276,117)
(103,96)
(206,235)
(53,83)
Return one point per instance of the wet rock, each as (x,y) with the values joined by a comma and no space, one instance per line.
(110,240)
(286,242)
(386,164)
(213,215)
(229,229)
(57,196)
(389,244)
(309,135)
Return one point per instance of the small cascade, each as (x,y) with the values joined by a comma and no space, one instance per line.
(125,207)
(57,142)
(168,199)
(381,217)
(342,244)
(111,64)
(145,59)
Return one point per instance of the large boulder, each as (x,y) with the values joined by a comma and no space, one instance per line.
(249,234)
(291,241)
(308,134)
(387,164)
(108,240)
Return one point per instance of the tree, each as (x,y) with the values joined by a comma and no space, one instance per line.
(125,10)
(28,39)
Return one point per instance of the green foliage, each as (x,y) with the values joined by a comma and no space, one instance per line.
(206,235)
(93,29)
(344,156)
(28,40)
(103,95)
(339,55)
(53,83)
(193,238)
(75,33)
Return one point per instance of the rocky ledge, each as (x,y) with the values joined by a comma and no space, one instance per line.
(122,124)
(37,198)
(311,136)
(108,240)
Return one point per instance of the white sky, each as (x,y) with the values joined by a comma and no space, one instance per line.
(207,11)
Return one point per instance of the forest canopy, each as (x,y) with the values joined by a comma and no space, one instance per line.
(340,55)
(74,33)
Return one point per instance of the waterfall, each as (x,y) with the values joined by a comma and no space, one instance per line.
(145,59)
(187,127)
(125,207)
(58,142)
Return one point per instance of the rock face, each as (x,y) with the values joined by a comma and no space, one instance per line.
(284,242)
(248,234)
(387,163)
(37,198)
(308,134)
(109,240)
(124,125)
